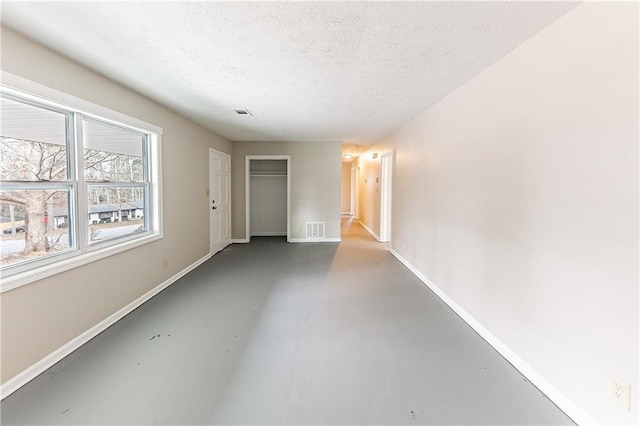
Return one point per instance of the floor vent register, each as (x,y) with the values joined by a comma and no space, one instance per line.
(315,230)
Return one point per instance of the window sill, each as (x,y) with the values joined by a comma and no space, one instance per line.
(75,260)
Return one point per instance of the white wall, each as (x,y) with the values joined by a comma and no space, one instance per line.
(517,195)
(315,184)
(39,318)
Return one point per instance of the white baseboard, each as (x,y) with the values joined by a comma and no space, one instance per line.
(369,230)
(565,404)
(269,234)
(315,240)
(16,382)
(345,213)
(239,241)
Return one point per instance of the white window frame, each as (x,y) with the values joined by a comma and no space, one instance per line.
(83,252)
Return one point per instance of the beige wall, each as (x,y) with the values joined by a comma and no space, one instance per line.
(315,184)
(517,195)
(39,318)
(345,203)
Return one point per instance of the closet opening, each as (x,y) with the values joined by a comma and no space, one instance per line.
(267,196)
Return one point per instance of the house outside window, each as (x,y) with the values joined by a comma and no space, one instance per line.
(72,183)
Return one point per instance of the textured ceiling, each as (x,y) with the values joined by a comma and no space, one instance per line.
(349,71)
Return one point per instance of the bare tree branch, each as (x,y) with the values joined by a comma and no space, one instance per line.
(9,199)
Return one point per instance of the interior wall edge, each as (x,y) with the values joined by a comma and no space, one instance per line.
(565,404)
(21,379)
(369,230)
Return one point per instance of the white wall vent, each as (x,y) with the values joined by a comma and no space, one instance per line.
(315,230)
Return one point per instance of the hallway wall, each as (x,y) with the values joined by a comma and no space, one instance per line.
(517,196)
(370,173)
(42,316)
(345,200)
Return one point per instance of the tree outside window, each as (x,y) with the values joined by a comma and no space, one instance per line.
(46,189)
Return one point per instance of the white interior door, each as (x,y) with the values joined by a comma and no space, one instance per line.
(219,200)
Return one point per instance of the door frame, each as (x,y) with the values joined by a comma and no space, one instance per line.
(386,195)
(213,151)
(352,195)
(247,190)
(356,207)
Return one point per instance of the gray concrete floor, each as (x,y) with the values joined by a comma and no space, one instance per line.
(277,333)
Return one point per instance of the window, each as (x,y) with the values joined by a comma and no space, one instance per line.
(115,169)
(74,185)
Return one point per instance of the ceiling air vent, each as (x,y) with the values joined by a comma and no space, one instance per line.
(242,112)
